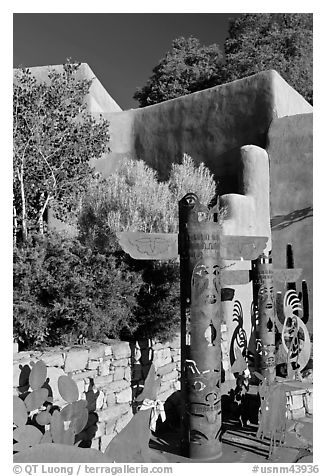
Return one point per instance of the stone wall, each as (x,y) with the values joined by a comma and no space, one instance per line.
(111,372)
(107,372)
(299,403)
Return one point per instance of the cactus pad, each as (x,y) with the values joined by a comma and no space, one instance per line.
(36,399)
(19,411)
(38,375)
(68,388)
(28,435)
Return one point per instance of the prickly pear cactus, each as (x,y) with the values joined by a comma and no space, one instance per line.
(37,421)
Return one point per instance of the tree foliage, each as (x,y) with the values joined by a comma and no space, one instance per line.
(255,42)
(63,288)
(54,139)
(280,41)
(133,199)
(186,68)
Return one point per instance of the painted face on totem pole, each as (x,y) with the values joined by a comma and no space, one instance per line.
(205,282)
(266,304)
(266,296)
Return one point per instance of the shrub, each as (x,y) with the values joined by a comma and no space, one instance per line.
(63,288)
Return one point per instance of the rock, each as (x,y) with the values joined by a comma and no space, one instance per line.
(53,359)
(93,364)
(176,354)
(100,400)
(127,374)
(96,350)
(107,350)
(120,350)
(174,375)
(119,363)
(112,412)
(165,369)
(110,399)
(76,359)
(297,413)
(87,376)
(103,381)
(124,396)
(116,386)
(100,429)
(308,403)
(95,444)
(162,357)
(104,368)
(295,401)
(109,426)
(177,385)
(119,373)
(81,387)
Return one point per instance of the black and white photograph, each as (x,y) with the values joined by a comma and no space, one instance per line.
(162,241)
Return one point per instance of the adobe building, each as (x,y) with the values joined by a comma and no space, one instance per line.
(213,126)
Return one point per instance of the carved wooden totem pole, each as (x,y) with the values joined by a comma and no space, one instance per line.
(201,247)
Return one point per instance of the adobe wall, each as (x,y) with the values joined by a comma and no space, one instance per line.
(209,125)
(98,100)
(290,149)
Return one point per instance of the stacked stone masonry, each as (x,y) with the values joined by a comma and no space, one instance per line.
(103,370)
(299,403)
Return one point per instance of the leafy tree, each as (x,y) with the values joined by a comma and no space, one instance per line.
(186,68)
(54,139)
(280,41)
(256,42)
(63,289)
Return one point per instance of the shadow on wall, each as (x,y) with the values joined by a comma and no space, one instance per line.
(141,361)
(282,221)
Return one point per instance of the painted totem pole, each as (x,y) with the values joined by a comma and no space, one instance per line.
(202,246)
(265,309)
(201,292)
